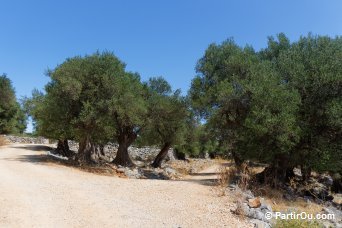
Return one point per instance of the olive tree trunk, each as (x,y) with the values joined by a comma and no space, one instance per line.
(122,157)
(161,155)
(306,173)
(237,160)
(86,148)
(275,176)
(63,148)
(278,173)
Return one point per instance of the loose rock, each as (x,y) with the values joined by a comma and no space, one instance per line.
(254,203)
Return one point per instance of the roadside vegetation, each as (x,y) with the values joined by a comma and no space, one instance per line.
(12,116)
(280,106)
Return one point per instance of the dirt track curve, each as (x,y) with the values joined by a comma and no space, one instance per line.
(34,193)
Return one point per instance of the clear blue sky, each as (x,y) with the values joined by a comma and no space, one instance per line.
(153,37)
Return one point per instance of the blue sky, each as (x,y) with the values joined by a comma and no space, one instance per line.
(152,37)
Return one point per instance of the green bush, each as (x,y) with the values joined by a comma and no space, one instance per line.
(297,223)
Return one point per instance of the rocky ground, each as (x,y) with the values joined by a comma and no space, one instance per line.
(312,197)
(257,209)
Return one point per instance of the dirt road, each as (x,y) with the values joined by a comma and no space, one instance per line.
(34,193)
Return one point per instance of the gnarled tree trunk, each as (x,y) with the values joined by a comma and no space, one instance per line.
(278,173)
(337,183)
(306,173)
(237,160)
(161,155)
(86,148)
(122,157)
(99,149)
(275,176)
(63,148)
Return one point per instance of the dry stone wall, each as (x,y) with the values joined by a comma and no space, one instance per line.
(137,153)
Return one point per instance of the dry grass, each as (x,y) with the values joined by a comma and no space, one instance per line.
(226,175)
(272,196)
(220,160)
(245,177)
(298,204)
(229,175)
(190,166)
(275,198)
(237,198)
(3,141)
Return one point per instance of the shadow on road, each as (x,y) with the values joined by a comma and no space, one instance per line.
(32,158)
(228,164)
(34,147)
(37,158)
(203,174)
(206,182)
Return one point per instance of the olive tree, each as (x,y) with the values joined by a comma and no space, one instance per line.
(12,116)
(243,100)
(93,100)
(312,67)
(167,114)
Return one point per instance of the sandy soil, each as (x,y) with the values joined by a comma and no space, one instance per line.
(34,193)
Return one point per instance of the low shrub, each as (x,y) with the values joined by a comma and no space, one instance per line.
(297,223)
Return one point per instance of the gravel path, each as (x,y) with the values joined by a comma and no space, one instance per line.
(34,193)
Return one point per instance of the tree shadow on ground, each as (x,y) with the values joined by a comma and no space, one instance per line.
(228,164)
(37,158)
(205,182)
(34,147)
(203,174)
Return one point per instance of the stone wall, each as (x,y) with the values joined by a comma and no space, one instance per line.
(25,140)
(137,154)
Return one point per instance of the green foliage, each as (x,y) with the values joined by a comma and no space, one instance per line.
(12,117)
(297,223)
(279,105)
(167,113)
(90,99)
(50,114)
(312,67)
(247,108)
(197,140)
(91,95)
(127,106)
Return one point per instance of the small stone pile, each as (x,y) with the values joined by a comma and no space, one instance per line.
(252,207)
(262,215)
(165,173)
